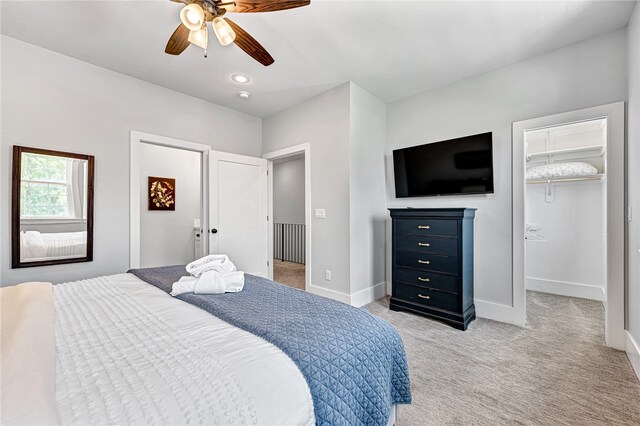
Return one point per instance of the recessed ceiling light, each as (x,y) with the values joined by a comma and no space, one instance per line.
(240,78)
(243,94)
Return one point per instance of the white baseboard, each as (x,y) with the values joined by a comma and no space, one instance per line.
(564,288)
(497,312)
(331,294)
(368,295)
(633,353)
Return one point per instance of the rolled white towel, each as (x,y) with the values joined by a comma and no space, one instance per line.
(217,262)
(210,282)
(183,285)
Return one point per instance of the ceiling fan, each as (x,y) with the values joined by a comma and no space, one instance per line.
(196,13)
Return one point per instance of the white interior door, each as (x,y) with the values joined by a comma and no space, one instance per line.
(238,223)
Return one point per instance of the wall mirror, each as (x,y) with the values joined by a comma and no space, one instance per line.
(51,207)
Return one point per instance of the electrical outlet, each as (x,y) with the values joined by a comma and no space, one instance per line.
(327,274)
(320,214)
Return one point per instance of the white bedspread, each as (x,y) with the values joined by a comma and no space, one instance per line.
(128,353)
(28,355)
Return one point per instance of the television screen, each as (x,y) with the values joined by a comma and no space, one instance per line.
(456,166)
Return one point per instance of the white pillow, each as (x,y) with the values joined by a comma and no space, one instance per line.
(561,170)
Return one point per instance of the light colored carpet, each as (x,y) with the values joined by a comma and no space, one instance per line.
(556,371)
(288,273)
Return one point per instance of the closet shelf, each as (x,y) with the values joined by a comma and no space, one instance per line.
(569,179)
(598,151)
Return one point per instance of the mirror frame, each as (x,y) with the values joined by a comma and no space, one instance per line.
(15,206)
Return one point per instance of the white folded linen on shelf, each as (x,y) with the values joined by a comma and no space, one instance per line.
(561,170)
(213,274)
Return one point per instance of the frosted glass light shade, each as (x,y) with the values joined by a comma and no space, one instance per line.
(200,37)
(223,31)
(192,16)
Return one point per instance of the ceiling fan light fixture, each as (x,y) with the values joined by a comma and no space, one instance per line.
(200,37)
(192,16)
(223,31)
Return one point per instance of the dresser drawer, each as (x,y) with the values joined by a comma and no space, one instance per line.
(426,279)
(447,228)
(425,297)
(435,245)
(429,262)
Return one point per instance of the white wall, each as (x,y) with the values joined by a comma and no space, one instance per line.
(167,237)
(368,213)
(633,157)
(323,122)
(53,101)
(586,74)
(288,192)
(571,261)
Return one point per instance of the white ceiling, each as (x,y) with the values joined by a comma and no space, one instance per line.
(391,48)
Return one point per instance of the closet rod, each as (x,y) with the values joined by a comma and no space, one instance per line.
(596,177)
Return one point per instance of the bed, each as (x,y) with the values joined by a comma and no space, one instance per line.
(128,353)
(37,246)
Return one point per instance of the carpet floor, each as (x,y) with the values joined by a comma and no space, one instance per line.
(556,371)
(288,273)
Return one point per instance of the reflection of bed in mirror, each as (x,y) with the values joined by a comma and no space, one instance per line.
(52,207)
(36,246)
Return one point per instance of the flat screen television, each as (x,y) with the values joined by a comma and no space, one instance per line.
(452,167)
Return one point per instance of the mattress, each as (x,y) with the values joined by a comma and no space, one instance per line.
(128,353)
(37,246)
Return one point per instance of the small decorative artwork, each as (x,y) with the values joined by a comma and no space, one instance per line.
(162,193)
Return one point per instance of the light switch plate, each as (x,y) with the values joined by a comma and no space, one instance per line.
(320,214)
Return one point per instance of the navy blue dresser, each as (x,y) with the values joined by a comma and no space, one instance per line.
(432,261)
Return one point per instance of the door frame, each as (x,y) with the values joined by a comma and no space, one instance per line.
(616,220)
(305,149)
(137,138)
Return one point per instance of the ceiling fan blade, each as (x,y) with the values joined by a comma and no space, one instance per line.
(254,6)
(250,45)
(179,41)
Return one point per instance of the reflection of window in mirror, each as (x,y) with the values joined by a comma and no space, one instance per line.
(52,207)
(52,187)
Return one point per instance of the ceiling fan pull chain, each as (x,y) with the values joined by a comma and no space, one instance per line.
(205,53)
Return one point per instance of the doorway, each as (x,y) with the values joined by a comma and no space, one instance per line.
(232,205)
(290,208)
(171,214)
(565,220)
(568,177)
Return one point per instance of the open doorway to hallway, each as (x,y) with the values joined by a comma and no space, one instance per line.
(289,222)
(290,213)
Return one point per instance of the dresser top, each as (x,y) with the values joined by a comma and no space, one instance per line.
(439,212)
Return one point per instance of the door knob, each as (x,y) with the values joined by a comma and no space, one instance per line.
(214,231)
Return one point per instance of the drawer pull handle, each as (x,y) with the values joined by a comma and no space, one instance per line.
(422,296)
(425,280)
(424,262)
(424,227)
(424,244)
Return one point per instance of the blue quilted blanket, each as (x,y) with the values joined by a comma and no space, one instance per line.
(353,361)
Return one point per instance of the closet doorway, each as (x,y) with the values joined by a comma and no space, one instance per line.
(290,209)
(568,214)
(566,209)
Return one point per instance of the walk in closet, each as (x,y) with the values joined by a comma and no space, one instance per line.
(565,209)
